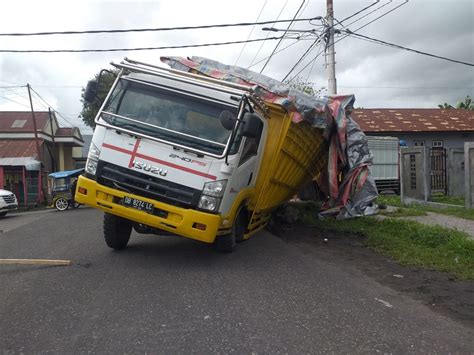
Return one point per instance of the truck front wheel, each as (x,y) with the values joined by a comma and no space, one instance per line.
(117,231)
(228,242)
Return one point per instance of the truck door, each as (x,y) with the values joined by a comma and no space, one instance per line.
(248,163)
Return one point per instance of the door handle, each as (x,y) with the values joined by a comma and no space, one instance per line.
(250,178)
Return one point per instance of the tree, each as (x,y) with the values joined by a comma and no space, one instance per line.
(467,104)
(305,86)
(90,109)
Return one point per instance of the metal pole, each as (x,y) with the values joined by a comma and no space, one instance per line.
(38,151)
(331,54)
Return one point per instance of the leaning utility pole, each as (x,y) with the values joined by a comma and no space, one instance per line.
(38,151)
(331,54)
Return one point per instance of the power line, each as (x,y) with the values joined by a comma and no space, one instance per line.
(369,13)
(268,34)
(378,41)
(153,29)
(139,48)
(274,49)
(310,48)
(340,39)
(384,14)
(358,12)
(48,105)
(278,51)
(251,31)
(19,103)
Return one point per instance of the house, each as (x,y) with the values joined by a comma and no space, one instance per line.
(419,127)
(27,157)
(79,154)
(443,131)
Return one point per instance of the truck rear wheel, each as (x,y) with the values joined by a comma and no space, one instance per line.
(117,231)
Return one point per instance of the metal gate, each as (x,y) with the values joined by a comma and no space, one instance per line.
(438,170)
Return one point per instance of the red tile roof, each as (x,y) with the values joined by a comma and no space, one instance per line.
(414,120)
(11,148)
(21,121)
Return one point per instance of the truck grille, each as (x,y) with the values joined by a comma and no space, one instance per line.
(127,180)
(9,199)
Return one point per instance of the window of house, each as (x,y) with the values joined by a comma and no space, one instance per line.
(437,144)
(419,143)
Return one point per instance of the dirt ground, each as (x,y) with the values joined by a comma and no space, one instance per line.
(439,291)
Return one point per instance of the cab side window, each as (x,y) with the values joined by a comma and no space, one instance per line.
(250,148)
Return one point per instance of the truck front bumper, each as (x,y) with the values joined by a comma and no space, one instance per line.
(189,223)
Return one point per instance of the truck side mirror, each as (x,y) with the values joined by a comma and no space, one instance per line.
(227,119)
(91,91)
(252,125)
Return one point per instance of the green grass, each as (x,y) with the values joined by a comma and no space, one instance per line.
(411,243)
(450,200)
(389,200)
(460,212)
(403,212)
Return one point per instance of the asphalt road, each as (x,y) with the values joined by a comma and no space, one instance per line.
(172,295)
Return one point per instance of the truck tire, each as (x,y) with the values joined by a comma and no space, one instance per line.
(227,243)
(117,231)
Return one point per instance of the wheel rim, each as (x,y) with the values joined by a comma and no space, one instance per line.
(61,204)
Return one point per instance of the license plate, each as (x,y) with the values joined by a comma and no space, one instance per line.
(138,204)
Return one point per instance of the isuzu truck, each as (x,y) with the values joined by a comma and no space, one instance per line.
(199,157)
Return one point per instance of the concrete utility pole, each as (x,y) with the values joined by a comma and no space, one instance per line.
(331,54)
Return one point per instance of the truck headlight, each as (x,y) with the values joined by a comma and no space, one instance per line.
(208,203)
(212,195)
(91,166)
(92,159)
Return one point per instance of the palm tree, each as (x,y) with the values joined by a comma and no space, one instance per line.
(467,104)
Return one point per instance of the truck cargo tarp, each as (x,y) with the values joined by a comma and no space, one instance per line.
(347,182)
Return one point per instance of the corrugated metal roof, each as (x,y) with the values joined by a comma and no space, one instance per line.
(414,120)
(11,148)
(12,121)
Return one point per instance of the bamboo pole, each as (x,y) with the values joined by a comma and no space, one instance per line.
(35,262)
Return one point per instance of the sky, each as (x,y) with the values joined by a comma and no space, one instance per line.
(378,76)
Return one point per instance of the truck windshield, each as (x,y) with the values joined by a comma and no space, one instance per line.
(164,114)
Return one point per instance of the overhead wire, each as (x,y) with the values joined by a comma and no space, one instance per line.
(378,41)
(19,103)
(368,14)
(251,31)
(340,39)
(140,48)
(278,43)
(159,29)
(308,50)
(360,11)
(48,105)
(278,51)
(268,34)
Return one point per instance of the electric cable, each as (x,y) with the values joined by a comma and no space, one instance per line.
(393,45)
(268,33)
(19,103)
(251,31)
(368,14)
(278,43)
(139,48)
(360,11)
(159,29)
(310,48)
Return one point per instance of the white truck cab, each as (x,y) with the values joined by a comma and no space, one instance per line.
(174,151)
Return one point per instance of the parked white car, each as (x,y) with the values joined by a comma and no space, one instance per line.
(8,202)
